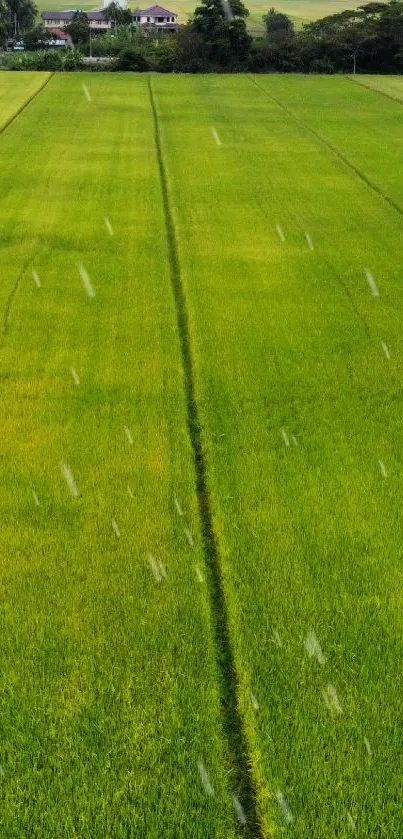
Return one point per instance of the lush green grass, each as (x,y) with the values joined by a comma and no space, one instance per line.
(310,9)
(300,11)
(286,337)
(84,5)
(257,27)
(15,91)
(108,681)
(353,119)
(389,85)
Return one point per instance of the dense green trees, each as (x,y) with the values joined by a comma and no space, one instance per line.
(15,17)
(369,39)
(222,26)
(36,38)
(118,16)
(3,12)
(278,23)
(79,31)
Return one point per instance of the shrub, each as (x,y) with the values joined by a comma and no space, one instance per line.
(322,65)
(72,60)
(166,55)
(132,58)
(45,60)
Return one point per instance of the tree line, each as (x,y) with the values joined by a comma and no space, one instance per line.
(216,39)
(16,17)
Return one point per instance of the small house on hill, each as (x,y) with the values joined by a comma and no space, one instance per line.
(156,17)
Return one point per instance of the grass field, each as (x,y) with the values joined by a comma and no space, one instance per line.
(249,302)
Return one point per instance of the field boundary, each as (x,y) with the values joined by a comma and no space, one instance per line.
(235,739)
(331,148)
(25,104)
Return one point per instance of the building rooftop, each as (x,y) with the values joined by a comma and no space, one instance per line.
(155,11)
(59,34)
(69,14)
(99,14)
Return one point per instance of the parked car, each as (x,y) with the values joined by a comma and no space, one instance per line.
(18,47)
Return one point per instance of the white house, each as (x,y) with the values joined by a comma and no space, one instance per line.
(57,20)
(155,17)
(97,21)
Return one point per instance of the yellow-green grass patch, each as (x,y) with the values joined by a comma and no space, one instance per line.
(15,91)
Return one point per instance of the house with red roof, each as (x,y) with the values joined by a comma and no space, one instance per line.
(59,38)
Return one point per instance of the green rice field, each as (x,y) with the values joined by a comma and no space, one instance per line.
(200,370)
(388,85)
(15,92)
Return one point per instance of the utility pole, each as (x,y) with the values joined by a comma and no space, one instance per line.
(90,42)
(354,57)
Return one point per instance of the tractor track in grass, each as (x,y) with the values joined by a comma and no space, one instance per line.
(22,107)
(7,309)
(9,304)
(10,300)
(241,782)
(331,148)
